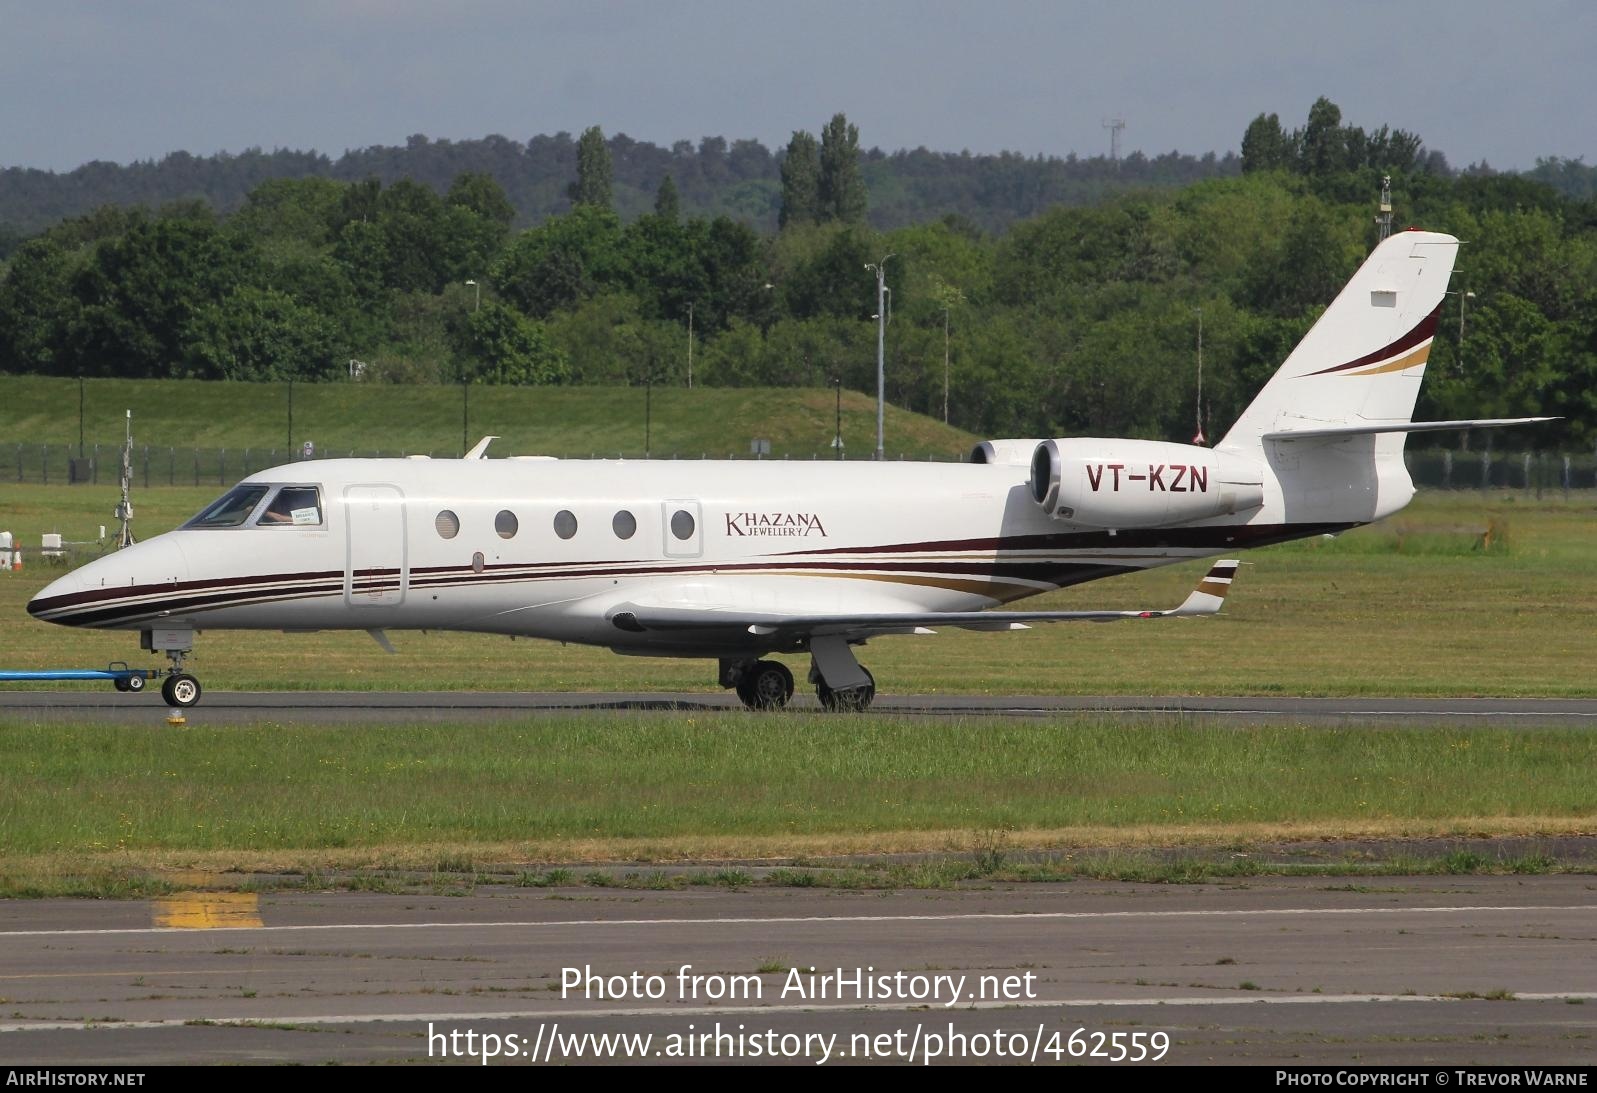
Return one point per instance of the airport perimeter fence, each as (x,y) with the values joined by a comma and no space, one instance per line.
(1535,473)
(170,466)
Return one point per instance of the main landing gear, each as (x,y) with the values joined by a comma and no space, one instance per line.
(764,685)
(768,685)
(853,700)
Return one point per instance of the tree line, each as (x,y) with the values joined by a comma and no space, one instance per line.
(1080,320)
(740,179)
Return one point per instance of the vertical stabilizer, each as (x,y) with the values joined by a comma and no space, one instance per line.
(1362,361)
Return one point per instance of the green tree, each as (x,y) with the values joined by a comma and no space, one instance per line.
(1323,147)
(509,348)
(840,190)
(667,204)
(801,179)
(137,294)
(561,262)
(305,210)
(1266,147)
(261,334)
(594,171)
(479,193)
(832,281)
(37,307)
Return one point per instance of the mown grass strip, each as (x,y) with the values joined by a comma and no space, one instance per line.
(571,780)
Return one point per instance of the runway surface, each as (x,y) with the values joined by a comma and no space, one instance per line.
(322,707)
(1290,970)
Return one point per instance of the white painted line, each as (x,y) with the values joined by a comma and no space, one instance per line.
(668,1011)
(1038,916)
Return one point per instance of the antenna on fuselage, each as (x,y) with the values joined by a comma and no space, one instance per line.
(480,450)
(124,507)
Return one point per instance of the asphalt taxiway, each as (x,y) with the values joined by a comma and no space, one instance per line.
(1448,970)
(322,707)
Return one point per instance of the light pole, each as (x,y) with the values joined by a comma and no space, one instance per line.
(476,295)
(1463,296)
(690,346)
(1197,436)
(880,269)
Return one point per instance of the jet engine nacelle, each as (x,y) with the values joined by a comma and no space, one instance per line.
(1140,483)
(1009,453)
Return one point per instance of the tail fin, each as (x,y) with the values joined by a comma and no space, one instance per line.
(1361,363)
(1332,421)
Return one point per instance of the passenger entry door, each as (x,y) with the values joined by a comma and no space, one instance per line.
(376,566)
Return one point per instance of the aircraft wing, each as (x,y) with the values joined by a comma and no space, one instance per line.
(1205,599)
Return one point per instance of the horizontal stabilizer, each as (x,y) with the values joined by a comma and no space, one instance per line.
(1404,427)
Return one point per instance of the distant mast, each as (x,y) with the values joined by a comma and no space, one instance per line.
(1384,221)
(1115,125)
(124,508)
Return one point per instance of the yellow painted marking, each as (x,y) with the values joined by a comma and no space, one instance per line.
(1419,356)
(207,910)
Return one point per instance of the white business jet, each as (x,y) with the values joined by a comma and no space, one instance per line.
(740,561)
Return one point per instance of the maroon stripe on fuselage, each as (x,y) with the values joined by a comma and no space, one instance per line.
(266,588)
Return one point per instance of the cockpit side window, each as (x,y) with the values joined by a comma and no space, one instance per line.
(231,509)
(293,506)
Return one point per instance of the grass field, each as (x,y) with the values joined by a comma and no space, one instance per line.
(575,421)
(1414,606)
(593,787)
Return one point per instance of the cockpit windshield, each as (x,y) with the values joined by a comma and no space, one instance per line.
(231,509)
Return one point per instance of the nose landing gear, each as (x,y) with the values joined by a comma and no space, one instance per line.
(179,689)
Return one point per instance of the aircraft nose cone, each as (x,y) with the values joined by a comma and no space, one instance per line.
(52,595)
(90,595)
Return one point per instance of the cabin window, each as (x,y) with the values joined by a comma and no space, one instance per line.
(293,506)
(565,523)
(625,525)
(506,524)
(682,524)
(231,509)
(447,523)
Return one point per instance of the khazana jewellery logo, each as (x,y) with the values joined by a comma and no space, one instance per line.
(782,524)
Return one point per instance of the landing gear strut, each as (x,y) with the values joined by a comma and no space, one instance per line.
(841,683)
